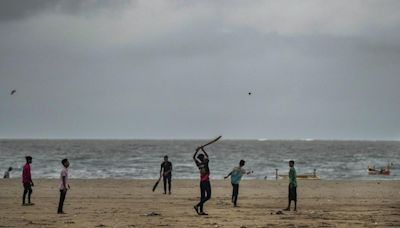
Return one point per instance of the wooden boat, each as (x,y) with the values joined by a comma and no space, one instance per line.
(305,176)
(383,171)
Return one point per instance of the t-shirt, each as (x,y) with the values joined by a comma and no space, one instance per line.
(204,170)
(292,177)
(237,174)
(166,166)
(64,173)
(26,174)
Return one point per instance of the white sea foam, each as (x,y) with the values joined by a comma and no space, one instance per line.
(141,159)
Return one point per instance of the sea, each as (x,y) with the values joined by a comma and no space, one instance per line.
(141,159)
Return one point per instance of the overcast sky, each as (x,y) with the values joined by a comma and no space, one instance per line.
(183,69)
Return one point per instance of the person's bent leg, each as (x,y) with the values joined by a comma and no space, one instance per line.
(202,196)
(205,196)
(199,205)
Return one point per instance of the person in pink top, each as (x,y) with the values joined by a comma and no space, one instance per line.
(205,187)
(63,185)
(27,181)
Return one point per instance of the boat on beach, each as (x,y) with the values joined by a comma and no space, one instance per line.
(382,171)
(304,176)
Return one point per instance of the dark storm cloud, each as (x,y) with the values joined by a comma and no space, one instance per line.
(20,9)
(183,69)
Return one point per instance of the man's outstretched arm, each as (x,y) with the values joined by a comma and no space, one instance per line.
(228,175)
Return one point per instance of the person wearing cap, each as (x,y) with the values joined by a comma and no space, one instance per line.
(166,173)
(27,181)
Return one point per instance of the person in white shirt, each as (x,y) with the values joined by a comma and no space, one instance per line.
(63,185)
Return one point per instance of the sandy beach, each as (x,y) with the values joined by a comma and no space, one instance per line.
(127,203)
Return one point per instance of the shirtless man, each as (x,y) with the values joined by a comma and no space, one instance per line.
(201,161)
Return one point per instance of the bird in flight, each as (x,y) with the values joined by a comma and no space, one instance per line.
(13,91)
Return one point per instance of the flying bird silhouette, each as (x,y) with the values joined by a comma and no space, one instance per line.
(13,91)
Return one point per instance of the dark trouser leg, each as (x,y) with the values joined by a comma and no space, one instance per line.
(61,203)
(205,191)
(165,184)
(24,195)
(29,194)
(235,193)
(27,190)
(169,183)
(292,196)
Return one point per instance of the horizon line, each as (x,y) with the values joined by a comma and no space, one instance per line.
(171,139)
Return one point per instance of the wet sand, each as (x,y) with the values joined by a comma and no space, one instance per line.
(125,203)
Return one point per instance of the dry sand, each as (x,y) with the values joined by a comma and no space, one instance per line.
(125,203)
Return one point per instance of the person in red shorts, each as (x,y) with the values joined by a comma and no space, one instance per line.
(205,187)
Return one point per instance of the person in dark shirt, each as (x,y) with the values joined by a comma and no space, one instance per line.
(166,173)
(292,196)
(205,187)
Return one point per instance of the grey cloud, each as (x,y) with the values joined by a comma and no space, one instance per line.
(185,74)
(20,9)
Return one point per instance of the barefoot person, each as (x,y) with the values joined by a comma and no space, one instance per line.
(166,173)
(27,181)
(63,185)
(292,186)
(201,161)
(236,176)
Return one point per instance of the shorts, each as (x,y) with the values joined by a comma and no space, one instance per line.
(292,193)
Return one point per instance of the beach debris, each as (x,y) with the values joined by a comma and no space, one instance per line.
(153,214)
(13,91)
(101,225)
(279,213)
